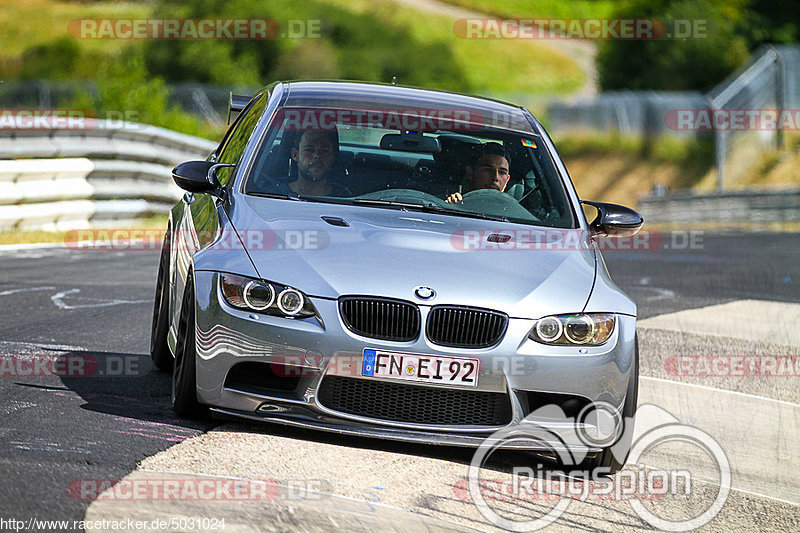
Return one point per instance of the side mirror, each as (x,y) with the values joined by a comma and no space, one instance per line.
(198,176)
(614,220)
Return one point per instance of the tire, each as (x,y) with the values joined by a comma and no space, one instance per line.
(159,348)
(606,458)
(184,371)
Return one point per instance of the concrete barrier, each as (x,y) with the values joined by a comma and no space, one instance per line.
(105,172)
(733,207)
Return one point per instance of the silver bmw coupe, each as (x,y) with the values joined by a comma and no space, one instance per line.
(393,262)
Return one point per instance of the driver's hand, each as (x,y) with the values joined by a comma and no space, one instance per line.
(454,198)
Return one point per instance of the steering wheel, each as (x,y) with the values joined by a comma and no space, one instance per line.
(494,202)
(403,195)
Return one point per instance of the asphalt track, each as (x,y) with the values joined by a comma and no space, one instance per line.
(92,307)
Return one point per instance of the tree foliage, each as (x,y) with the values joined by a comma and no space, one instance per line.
(699,62)
(729,32)
(351,45)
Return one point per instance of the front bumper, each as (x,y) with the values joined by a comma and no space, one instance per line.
(529,374)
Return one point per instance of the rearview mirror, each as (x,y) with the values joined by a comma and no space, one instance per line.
(614,220)
(410,141)
(198,176)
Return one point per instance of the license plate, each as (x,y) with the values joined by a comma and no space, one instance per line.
(421,368)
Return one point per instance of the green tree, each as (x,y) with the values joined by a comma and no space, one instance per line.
(363,45)
(124,90)
(695,63)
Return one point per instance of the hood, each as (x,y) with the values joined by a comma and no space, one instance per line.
(388,252)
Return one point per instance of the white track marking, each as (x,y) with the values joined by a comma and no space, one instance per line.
(759,435)
(58,300)
(15,291)
(706,387)
(753,320)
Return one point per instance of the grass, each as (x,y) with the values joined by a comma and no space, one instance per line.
(539,8)
(620,169)
(497,67)
(27,23)
(664,149)
(489,67)
(8,237)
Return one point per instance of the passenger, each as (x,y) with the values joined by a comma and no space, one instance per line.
(488,170)
(315,153)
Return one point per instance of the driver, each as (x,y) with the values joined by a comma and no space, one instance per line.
(315,152)
(488,170)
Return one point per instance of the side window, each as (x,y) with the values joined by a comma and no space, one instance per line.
(234,144)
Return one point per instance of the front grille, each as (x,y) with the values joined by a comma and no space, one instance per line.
(465,327)
(399,402)
(380,318)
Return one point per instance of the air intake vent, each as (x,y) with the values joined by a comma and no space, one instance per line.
(380,318)
(465,327)
(336,221)
(414,404)
(498,237)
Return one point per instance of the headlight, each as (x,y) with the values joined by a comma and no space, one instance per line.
(258,295)
(587,329)
(265,297)
(291,301)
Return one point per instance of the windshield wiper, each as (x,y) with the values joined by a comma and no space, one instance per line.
(295,197)
(387,203)
(302,197)
(430,208)
(433,208)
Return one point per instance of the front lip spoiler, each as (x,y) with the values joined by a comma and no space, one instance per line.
(301,417)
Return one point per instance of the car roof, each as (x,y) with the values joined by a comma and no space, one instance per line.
(363,95)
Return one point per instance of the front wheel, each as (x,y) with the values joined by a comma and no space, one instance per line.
(184,371)
(607,460)
(159,349)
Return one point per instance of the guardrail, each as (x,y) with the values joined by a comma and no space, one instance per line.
(109,172)
(729,208)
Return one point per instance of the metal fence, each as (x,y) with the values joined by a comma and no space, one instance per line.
(632,113)
(768,82)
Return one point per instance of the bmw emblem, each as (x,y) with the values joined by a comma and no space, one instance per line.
(424,293)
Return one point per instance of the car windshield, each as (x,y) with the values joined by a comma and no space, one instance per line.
(412,161)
